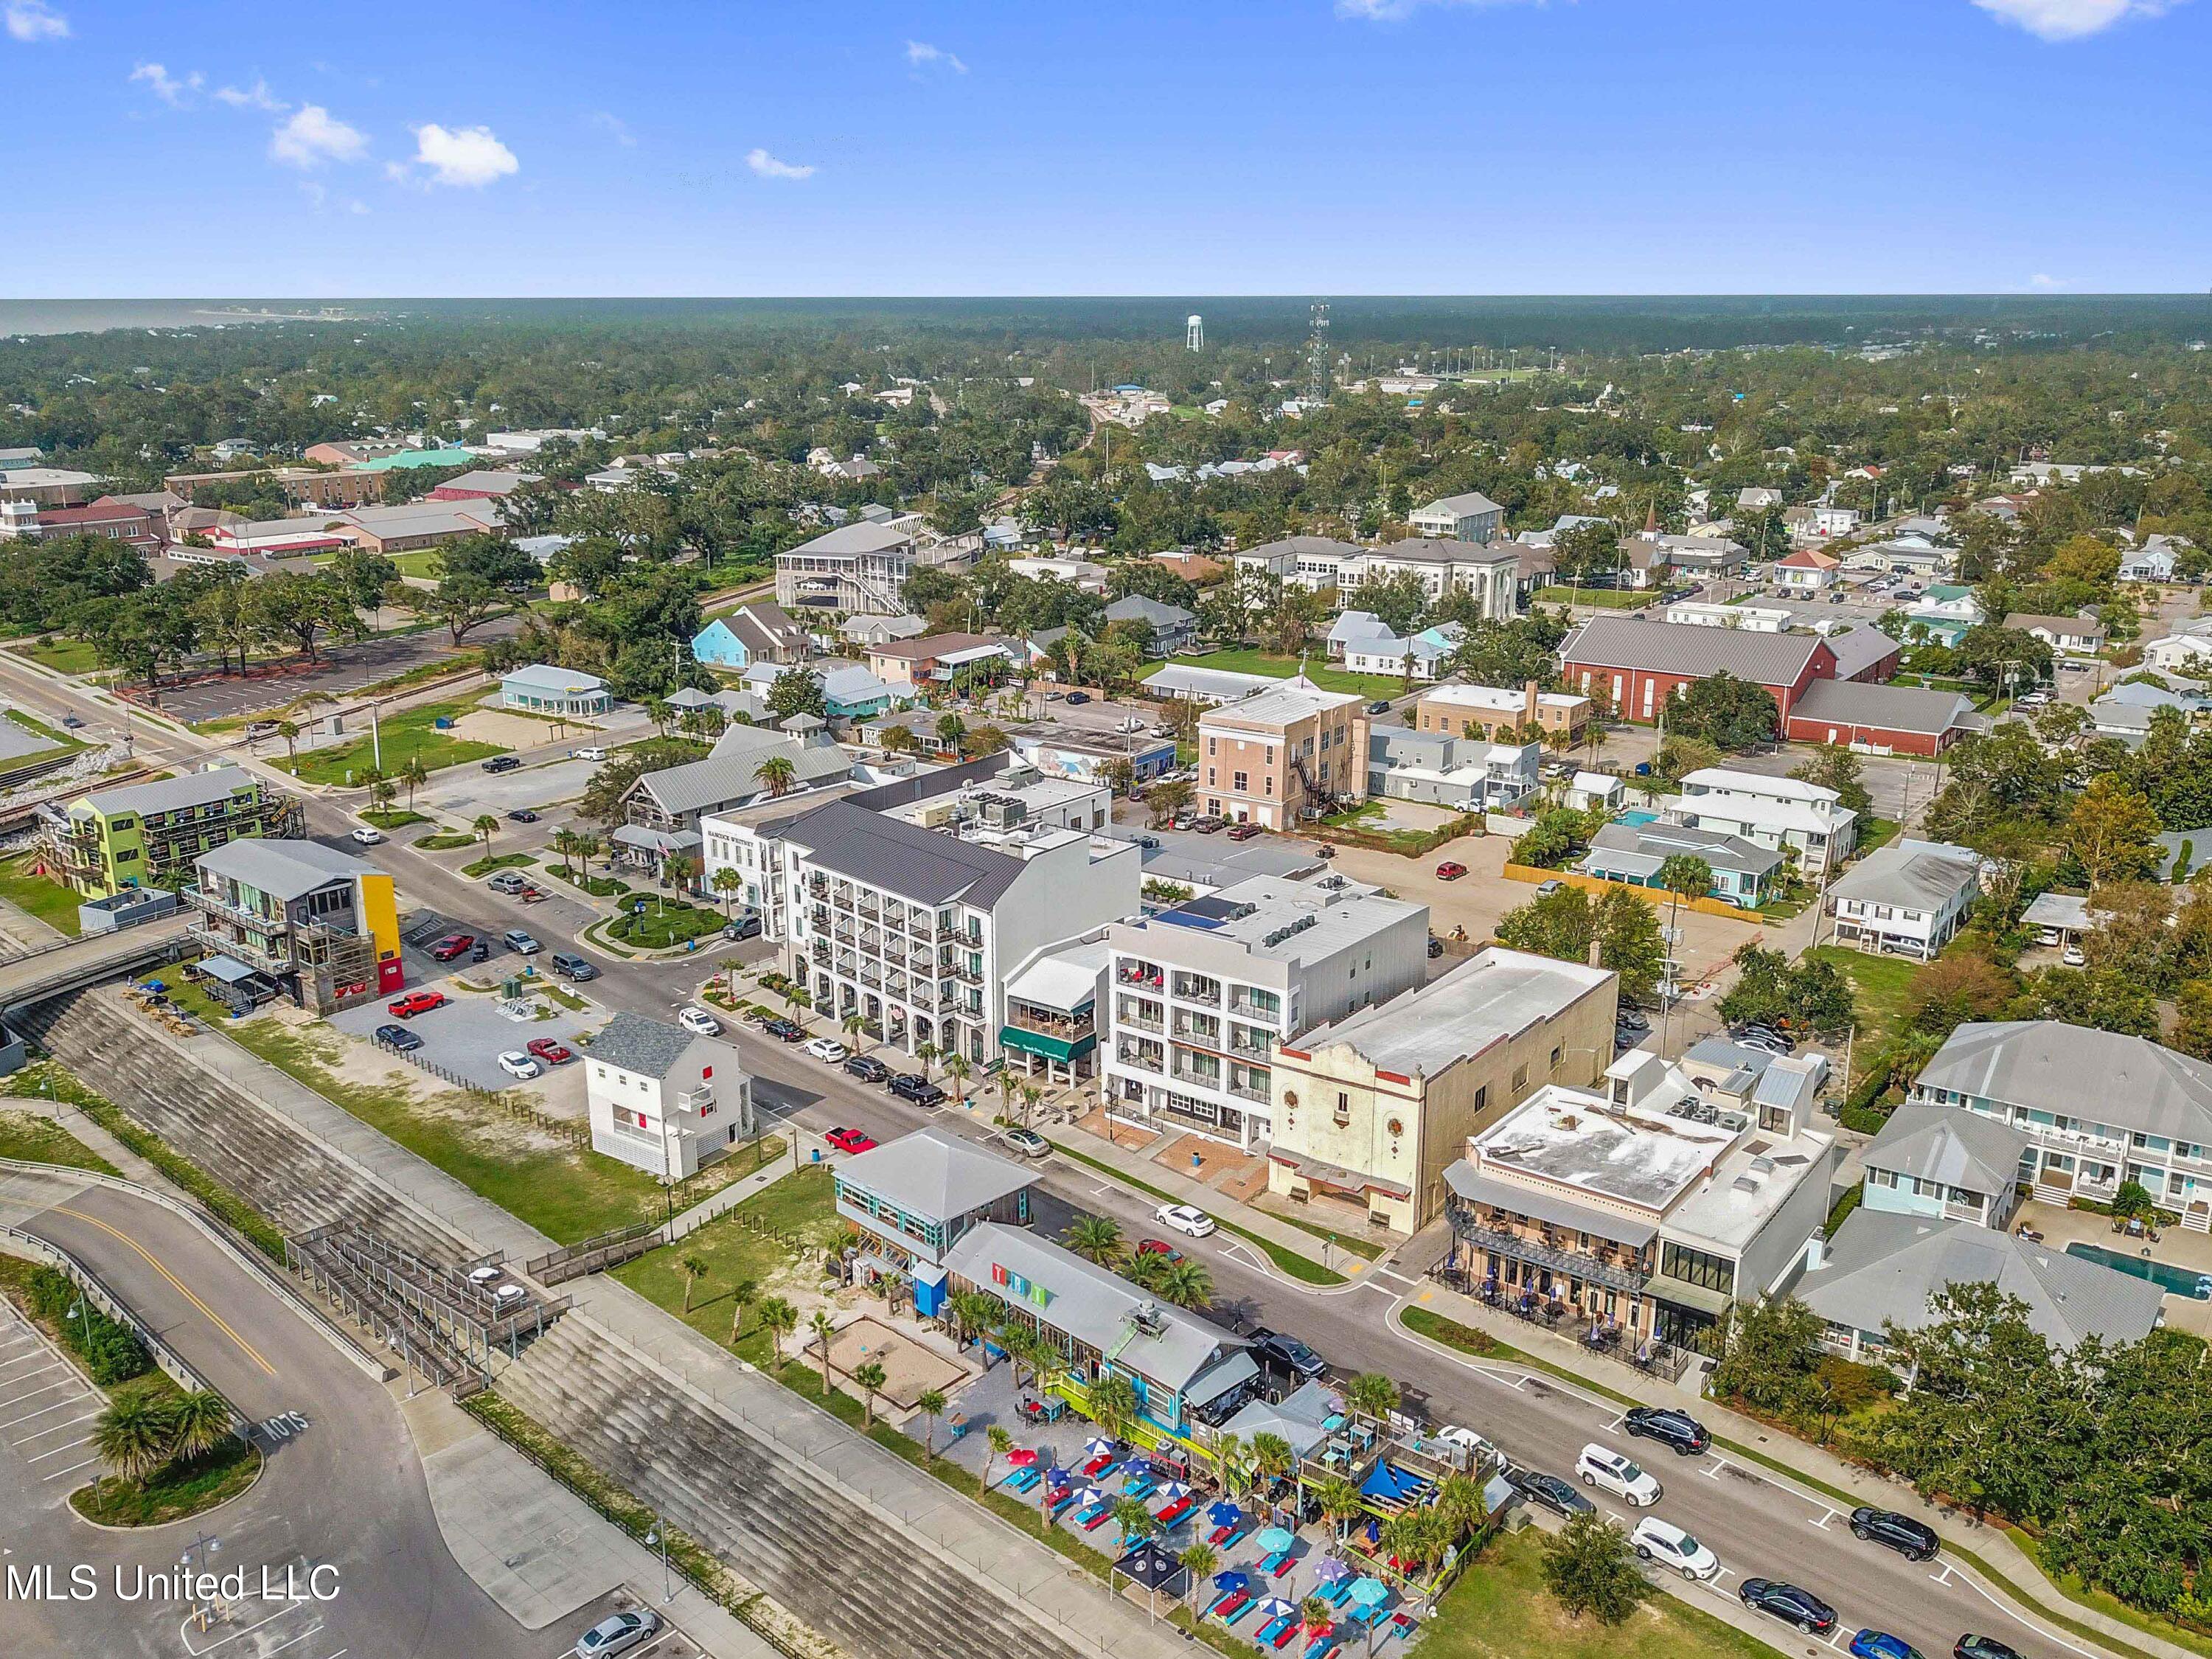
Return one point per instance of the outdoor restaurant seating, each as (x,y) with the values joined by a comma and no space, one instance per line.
(1176,1511)
(1060,1503)
(1022,1481)
(1228,1603)
(1275,1627)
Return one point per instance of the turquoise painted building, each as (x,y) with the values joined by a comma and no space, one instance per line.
(717,645)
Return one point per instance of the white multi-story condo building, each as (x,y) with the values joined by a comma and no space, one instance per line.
(915,904)
(1769,812)
(1201,994)
(2098,1108)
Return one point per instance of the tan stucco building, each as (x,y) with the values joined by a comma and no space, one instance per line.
(1372,1109)
(1269,757)
(1465,711)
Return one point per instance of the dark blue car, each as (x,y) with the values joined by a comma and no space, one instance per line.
(1881,1645)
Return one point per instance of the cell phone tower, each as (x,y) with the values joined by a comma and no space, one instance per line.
(1193,332)
(1317,354)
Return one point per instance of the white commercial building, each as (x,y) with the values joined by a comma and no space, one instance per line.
(1473,517)
(1203,994)
(915,904)
(1769,812)
(662,1099)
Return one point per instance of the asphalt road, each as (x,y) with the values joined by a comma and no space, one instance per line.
(343,1486)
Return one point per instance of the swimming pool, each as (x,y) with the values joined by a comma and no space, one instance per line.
(1636,815)
(2175,1281)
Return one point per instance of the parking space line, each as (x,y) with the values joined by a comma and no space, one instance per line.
(50,1365)
(1826,1516)
(58,1406)
(67,1382)
(72,1469)
(1619,1418)
(58,1428)
(1715,1466)
(77,1444)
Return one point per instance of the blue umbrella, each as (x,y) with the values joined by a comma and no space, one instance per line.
(1331,1570)
(1370,1592)
(1057,1476)
(1230,1582)
(1225,1515)
(1275,1538)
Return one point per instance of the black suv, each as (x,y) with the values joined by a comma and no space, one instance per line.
(1679,1429)
(1287,1353)
(1901,1533)
(1559,1495)
(783,1031)
(868,1068)
(1789,1604)
(914,1086)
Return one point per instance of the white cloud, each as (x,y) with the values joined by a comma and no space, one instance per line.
(33,21)
(769,167)
(2047,284)
(2072,19)
(614,126)
(257,96)
(921,55)
(314,135)
(320,200)
(166,87)
(467,157)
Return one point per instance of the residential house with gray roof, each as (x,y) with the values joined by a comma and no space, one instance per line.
(1946,1165)
(1905,899)
(662,1099)
(2097,1106)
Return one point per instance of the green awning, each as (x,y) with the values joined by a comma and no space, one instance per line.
(1696,1297)
(1049,1048)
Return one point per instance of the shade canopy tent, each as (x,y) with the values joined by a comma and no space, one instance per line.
(1150,1566)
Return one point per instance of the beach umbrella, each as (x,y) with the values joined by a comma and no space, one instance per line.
(1225,1515)
(1091,1495)
(1100,1447)
(1021,1456)
(1230,1582)
(1275,1608)
(1370,1592)
(1175,1491)
(1331,1570)
(1275,1538)
(1057,1476)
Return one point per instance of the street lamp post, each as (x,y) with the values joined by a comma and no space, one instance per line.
(658,1534)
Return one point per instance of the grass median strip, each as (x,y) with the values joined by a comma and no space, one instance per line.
(1298,1266)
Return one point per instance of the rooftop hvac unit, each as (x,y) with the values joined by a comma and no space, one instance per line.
(1146,1317)
(1288,929)
(1002,811)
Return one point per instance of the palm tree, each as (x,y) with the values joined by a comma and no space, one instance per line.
(1272,1461)
(693,1269)
(776,774)
(1198,1561)
(1186,1283)
(741,1293)
(1024,1346)
(821,1325)
(414,775)
(678,869)
(1232,1461)
(1095,1238)
(726,882)
(657,711)
(568,843)
(290,733)
(1114,1405)
(199,1421)
(930,1402)
(1134,1519)
(1030,1094)
(587,849)
(132,1436)
(1372,1394)
(871,1376)
(973,1313)
(1314,1614)
(1459,1505)
(854,1024)
(950,728)
(925,1053)
(1005,1081)
(1339,1499)
(997,1443)
(485,827)
(957,1067)
(1148,1268)
(780,1319)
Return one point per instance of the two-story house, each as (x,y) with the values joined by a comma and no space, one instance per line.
(1472,517)
(915,1198)
(1908,898)
(1807,819)
(662,1099)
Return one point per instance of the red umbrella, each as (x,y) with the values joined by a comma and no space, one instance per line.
(1021,1458)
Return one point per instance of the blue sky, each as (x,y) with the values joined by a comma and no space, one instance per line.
(1219,145)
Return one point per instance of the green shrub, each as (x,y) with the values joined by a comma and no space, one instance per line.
(111,1353)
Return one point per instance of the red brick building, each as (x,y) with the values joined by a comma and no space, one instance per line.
(1642,663)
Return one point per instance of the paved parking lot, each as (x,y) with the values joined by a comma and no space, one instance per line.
(46,1409)
(465,791)
(344,668)
(467,1035)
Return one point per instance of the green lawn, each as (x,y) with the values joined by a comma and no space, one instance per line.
(172,1493)
(1883,986)
(43,897)
(496,861)
(38,1139)
(1876,832)
(1609,599)
(733,1251)
(1275,667)
(663,923)
(37,728)
(565,1192)
(397,818)
(1500,1609)
(412,734)
(63,656)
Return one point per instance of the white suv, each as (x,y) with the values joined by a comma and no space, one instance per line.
(1668,1545)
(1608,1471)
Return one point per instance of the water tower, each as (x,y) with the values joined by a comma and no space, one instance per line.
(1193,332)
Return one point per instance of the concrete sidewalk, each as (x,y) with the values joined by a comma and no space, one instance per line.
(1991,1543)
(938,1518)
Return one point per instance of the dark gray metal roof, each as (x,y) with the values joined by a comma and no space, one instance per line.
(1919,874)
(935,1173)
(281,869)
(2051,1066)
(169,795)
(1949,1144)
(649,1047)
(1681,649)
(901,857)
(1888,707)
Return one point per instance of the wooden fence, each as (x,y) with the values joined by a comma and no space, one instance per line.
(1712,907)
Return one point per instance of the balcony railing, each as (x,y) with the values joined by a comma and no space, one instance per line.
(1140,974)
(965,975)
(1138,1020)
(1592,1269)
(1248,1091)
(245,949)
(1072,1030)
(1145,1059)
(1192,1075)
(1204,1034)
(1245,1049)
(1248,1009)
(1192,989)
